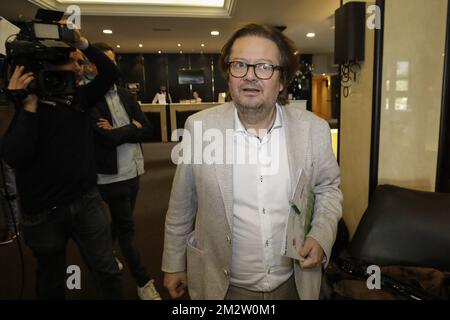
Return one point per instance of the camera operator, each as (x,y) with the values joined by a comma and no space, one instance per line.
(51,149)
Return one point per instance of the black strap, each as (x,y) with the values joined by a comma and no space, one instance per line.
(17,96)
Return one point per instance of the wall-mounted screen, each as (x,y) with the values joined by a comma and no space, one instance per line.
(189,76)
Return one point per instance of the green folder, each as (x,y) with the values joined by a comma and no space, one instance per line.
(309,213)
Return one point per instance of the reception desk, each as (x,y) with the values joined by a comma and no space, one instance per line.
(161,110)
(176,112)
(173,116)
(178,109)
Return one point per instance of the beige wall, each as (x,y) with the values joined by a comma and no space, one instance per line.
(414,38)
(356,122)
(412,87)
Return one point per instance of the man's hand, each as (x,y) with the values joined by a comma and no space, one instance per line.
(176,283)
(137,124)
(20,81)
(104,124)
(312,252)
(79,41)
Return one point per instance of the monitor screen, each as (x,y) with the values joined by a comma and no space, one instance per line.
(46,31)
(190,76)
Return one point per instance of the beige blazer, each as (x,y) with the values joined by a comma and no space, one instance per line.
(199,220)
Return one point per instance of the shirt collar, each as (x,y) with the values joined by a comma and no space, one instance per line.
(239,127)
(113,89)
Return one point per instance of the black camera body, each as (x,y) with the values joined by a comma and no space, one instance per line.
(39,47)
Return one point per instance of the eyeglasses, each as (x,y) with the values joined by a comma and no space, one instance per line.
(263,71)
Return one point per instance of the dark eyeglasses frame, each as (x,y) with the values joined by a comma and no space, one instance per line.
(274,67)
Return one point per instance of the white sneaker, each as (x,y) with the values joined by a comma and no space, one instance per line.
(148,292)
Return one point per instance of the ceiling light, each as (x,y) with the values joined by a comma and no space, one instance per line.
(179,44)
(199,3)
(311,35)
(140,45)
(215,33)
(118,46)
(107,31)
(202,44)
(181,51)
(159,51)
(296,52)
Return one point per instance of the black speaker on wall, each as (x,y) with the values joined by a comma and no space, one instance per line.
(349,35)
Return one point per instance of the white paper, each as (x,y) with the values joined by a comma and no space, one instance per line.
(294,234)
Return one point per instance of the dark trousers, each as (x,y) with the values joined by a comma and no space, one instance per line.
(86,221)
(121,198)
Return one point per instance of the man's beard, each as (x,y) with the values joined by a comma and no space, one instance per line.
(254,113)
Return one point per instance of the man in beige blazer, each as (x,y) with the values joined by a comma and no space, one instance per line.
(226,219)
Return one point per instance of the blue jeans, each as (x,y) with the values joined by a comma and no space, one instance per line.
(85,220)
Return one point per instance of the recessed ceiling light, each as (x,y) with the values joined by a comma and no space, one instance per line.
(215,33)
(107,31)
(179,44)
(181,51)
(118,46)
(311,35)
(202,44)
(140,45)
(159,51)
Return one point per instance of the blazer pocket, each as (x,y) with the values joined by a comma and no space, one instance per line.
(195,267)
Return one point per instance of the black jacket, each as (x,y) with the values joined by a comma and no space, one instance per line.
(106,141)
(52,150)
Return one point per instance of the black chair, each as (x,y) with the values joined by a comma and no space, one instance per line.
(404,227)
(400,228)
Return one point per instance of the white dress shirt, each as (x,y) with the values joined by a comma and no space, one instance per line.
(261,207)
(130,160)
(160,98)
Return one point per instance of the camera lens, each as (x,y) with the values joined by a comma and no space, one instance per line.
(56,81)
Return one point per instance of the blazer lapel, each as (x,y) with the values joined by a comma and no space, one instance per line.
(297,135)
(224,172)
(102,106)
(124,100)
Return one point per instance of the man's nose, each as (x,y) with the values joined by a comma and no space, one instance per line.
(251,75)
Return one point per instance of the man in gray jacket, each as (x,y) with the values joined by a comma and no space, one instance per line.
(231,201)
